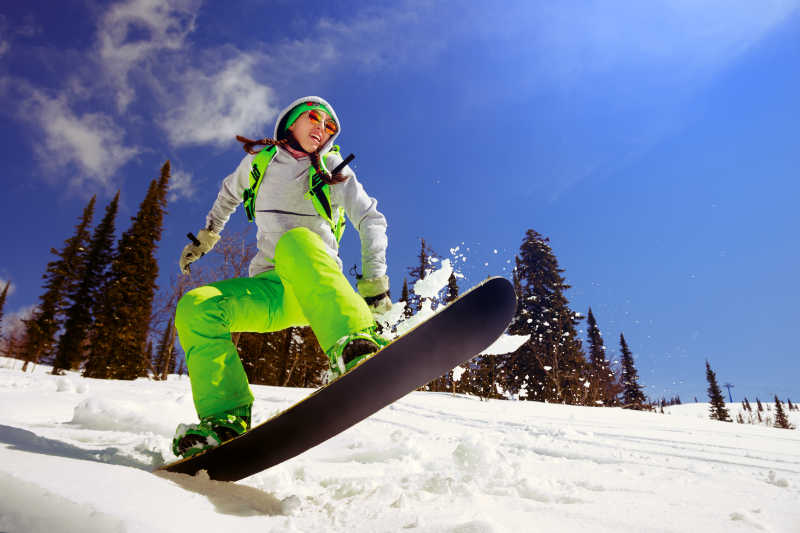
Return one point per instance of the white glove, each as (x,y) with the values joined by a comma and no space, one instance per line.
(206,239)
(375,292)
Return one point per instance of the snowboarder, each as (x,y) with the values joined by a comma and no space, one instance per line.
(296,277)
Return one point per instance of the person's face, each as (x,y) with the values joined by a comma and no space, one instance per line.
(311,129)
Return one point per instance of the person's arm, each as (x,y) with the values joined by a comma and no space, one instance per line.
(362,210)
(228,199)
(230,195)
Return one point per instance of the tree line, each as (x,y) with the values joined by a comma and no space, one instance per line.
(719,410)
(551,365)
(96,309)
(102,313)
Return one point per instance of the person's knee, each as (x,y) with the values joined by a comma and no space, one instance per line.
(197,307)
(296,241)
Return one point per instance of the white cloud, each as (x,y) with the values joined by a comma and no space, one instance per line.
(91,142)
(4,48)
(213,108)
(206,96)
(181,185)
(684,40)
(202,100)
(373,38)
(655,56)
(134,32)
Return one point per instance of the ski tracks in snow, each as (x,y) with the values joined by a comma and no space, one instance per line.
(431,462)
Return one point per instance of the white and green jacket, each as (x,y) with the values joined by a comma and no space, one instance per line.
(282,204)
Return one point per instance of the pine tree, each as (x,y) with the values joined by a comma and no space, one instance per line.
(404,297)
(632,394)
(60,278)
(123,323)
(5,342)
(550,366)
(3,296)
(72,346)
(603,388)
(781,421)
(718,409)
(788,400)
(452,289)
(424,259)
(758,403)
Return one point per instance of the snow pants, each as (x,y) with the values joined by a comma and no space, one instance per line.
(307,287)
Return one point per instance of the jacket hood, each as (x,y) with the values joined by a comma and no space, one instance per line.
(282,118)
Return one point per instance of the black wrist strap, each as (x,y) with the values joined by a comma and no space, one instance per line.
(371,300)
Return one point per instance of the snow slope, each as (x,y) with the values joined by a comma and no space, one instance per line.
(76,455)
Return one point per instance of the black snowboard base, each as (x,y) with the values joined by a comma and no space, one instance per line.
(454,335)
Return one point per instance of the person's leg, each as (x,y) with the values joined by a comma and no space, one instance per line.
(205,318)
(306,288)
(317,284)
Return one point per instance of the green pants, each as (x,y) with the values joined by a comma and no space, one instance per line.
(306,288)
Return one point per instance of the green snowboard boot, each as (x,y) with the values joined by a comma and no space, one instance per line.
(351,349)
(210,432)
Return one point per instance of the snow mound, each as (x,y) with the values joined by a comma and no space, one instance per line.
(103,414)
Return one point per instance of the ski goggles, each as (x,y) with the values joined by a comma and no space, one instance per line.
(308,107)
(316,118)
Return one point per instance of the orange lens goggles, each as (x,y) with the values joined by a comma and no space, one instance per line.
(315,116)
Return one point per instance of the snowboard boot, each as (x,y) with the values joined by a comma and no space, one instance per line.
(210,432)
(351,349)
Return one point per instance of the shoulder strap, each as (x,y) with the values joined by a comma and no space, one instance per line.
(320,195)
(257,171)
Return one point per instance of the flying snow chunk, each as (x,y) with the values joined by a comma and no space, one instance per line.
(434,282)
(506,344)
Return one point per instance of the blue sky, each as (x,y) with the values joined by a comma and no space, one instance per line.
(654,143)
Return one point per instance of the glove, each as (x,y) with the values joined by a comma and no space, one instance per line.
(375,292)
(206,239)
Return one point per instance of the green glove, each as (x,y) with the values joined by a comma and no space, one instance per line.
(375,292)
(192,252)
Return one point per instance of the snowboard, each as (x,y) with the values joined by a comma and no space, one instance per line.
(453,335)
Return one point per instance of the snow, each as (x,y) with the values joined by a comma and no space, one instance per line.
(77,454)
(427,289)
(506,344)
(434,282)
